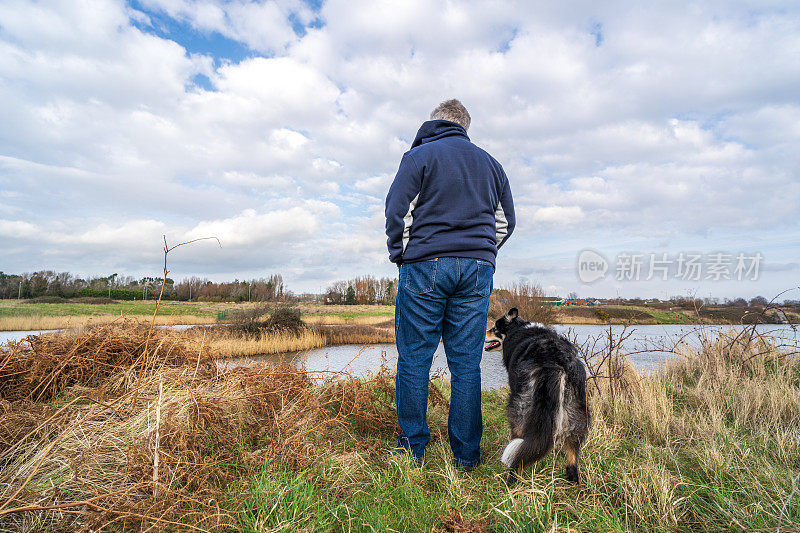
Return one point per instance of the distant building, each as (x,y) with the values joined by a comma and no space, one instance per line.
(573,302)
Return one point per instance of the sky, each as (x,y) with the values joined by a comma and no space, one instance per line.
(626,130)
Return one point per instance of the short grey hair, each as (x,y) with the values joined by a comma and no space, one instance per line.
(452,110)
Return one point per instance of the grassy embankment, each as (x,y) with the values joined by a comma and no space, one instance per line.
(642,314)
(711,443)
(16,315)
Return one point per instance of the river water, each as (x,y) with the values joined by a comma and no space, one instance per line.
(647,347)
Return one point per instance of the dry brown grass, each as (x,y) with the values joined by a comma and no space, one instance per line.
(93,463)
(225,344)
(41,366)
(35,322)
(356,334)
(714,421)
(340,320)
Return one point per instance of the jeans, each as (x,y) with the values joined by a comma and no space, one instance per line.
(445,298)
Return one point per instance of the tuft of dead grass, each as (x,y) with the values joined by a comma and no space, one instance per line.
(453,521)
(39,367)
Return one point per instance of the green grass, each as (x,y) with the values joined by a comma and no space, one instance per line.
(15,308)
(10,308)
(631,482)
(661,316)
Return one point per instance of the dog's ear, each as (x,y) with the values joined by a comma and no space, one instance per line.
(512,314)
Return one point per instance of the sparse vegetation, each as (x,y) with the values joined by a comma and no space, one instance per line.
(25,315)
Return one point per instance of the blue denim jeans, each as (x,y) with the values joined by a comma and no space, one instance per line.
(445,298)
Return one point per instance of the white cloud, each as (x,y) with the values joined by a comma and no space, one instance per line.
(253,228)
(682,123)
(17,229)
(556,214)
(262,26)
(375,185)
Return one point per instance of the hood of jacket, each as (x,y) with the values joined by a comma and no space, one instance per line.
(433,130)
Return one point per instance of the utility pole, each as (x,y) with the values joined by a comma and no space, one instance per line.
(248,291)
(190,291)
(19,295)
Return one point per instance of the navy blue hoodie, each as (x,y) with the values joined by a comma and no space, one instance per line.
(449,199)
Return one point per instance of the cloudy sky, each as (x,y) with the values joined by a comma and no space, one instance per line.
(277,126)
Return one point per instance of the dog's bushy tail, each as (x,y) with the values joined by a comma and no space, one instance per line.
(540,426)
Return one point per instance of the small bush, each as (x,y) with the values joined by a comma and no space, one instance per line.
(93,300)
(261,319)
(602,314)
(249,321)
(46,300)
(527,298)
(285,319)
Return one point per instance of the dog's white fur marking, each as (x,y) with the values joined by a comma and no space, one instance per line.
(535,325)
(561,414)
(510,452)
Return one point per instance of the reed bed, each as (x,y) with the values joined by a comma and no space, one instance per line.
(369,320)
(229,344)
(42,322)
(710,443)
(226,342)
(356,334)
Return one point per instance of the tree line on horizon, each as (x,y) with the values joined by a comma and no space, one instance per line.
(44,284)
(361,290)
(47,283)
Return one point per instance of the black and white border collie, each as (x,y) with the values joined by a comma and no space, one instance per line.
(547,404)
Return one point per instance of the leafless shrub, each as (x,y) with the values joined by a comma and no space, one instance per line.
(528,298)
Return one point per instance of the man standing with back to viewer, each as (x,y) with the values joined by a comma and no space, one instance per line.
(448,211)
